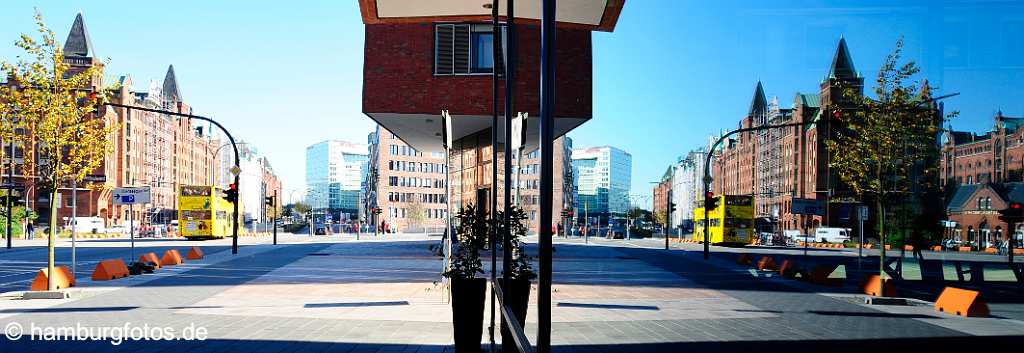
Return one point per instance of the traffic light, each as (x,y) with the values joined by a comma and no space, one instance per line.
(1013,213)
(231,194)
(710,201)
(269,201)
(671,207)
(376,210)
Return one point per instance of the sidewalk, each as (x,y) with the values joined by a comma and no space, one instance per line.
(380,296)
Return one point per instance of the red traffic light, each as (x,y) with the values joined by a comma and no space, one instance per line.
(232,186)
(709,194)
(1015,205)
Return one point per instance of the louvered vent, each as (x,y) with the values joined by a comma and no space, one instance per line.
(444,49)
(461,49)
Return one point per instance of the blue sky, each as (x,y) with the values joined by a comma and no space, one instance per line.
(284,75)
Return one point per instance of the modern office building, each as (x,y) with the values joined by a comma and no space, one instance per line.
(603,179)
(335,172)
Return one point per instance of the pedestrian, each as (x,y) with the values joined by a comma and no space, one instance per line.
(31,230)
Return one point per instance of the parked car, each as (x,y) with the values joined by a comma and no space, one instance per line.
(951,244)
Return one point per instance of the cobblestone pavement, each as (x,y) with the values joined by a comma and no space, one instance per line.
(382,295)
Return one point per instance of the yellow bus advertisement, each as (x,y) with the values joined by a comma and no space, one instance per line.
(203,212)
(732,222)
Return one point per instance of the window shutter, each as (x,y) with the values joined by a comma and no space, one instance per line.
(461,49)
(444,49)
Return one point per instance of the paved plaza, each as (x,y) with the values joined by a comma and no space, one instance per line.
(337,294)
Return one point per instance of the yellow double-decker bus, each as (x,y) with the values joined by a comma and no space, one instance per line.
(732,222)
(203,213)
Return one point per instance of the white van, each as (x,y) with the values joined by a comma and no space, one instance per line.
(832,235)
(88,225)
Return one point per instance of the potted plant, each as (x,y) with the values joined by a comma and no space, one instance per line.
(468,292)
(517,293)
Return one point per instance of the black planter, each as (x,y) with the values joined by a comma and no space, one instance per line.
(517,297)
(468,296)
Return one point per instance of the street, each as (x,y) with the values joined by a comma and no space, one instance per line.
(338,294)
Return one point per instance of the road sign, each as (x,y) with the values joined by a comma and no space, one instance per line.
(863,212)
(131,195)
(808,207)
(235,170)
(519,131)
(95,179)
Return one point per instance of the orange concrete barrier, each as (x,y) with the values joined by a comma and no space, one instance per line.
(787,268)
(744,259)
(868,246)
(990,250)
(150,258)
(171,257)
(1018,251)
(61,279)
(194,254)
(965,249)
(888,247)
(937,248)
(110,269)
(767,263)
(908,248)
(961,302)
(872,283)
(820,275)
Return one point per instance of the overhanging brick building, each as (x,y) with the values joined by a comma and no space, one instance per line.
(418,62)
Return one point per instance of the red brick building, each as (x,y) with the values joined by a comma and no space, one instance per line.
(778,165)
(419,61)
(994,157)
(148,149)
(974,211)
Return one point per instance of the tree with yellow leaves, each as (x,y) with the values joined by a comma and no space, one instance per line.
(55,104)
(885,149)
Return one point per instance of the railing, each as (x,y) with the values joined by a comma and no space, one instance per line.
(514,326)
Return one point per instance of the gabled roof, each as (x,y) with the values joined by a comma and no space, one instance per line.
(842,63)
(809,100)
(170,89)
(962,196)
(758,104)
(78,43)
(960,137)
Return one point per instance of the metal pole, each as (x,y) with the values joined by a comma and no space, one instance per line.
(273,220)
(131,229)
(547,124)
(668,216)
(510,56)
(495,52)
(74,224)
(10,189)
(860,244)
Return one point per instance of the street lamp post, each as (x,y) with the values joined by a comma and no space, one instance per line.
(234,146)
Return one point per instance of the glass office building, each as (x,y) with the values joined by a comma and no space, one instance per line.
(335,172)
(603,178)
